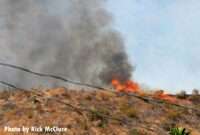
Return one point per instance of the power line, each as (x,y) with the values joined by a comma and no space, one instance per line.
(80,109)
(96,87)
(52,76)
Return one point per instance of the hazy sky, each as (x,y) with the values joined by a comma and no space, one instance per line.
(162,39)
(161,36)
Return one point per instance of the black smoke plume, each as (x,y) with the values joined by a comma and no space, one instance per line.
(70,38)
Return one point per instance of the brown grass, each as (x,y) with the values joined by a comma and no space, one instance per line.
(20,110)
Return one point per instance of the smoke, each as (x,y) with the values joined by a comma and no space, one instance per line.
(71,38)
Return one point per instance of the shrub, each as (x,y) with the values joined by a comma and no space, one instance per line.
(131,112)
(11,113)
(128,109)
(102,96)
(34,100)
(167,125)
(21,94)
(4,95)
(8,106)
(178,131)
(195,97)
(98,112)
(29,114)
(182,95)
(195,92)
(48,103)
(173,114)
(197,113)
(103,110)
(123,104)
(83,123)
(87,96)
(101,124)
(137,132)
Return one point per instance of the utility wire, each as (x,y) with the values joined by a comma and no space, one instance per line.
(97,87)
(81,109)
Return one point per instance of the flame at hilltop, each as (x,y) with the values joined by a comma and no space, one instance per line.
(130,86)
(127,86)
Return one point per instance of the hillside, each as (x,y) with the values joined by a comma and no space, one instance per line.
(18,109)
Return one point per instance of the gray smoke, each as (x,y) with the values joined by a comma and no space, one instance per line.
(71,38)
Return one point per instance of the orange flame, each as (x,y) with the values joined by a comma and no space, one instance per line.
(164,96)
(130,86)
(127,86)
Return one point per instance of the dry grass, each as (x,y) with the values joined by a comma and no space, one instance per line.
(4,95)
(173,114)
(29,114)
(137,132)
(22,109)
(195,97)
(131,112)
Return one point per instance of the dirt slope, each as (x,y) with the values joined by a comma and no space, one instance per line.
(18,109)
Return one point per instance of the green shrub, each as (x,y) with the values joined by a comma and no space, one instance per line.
(101,124)
(178,131)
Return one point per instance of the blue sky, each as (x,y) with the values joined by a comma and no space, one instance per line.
(162,38)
